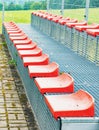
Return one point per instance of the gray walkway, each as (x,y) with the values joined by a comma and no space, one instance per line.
(85,73)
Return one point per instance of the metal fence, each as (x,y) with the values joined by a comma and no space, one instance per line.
(79,69)
(80,42)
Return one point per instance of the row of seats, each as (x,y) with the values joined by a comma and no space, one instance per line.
(61,99)
(80,37)
(92,29)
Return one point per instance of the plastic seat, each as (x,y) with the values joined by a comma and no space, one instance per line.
(24,37)
(56,19)
(6,24)
(29,46)
(36,60)
(50,70)
(93,32)
(83,28)
(9,24)
(45,16)
(40,15)
(22,42)
(16,34)
(79,104)
(11,32)
(12,29)
(71,25)
(48,16)
(28,53)
(51,17)
(64,21)
(71,21)
(62,83)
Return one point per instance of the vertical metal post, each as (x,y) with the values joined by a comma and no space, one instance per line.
(62,7)
(2,16)
(48,1)
(87,10)
(2,11)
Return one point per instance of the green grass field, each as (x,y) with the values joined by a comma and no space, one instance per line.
(25,16)
(16,16)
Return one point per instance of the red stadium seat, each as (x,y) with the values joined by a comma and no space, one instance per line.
(79,104)
(50,70)
(16,34)
(62,83)
(23,37)
(29,46)
(83,28)
(36,60)
(22,42)
(71,25)
(28,53)
(13,32)
(93,32)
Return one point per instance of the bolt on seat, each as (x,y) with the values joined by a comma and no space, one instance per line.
(78,104)
(50,70)
(36,60)
(60,84)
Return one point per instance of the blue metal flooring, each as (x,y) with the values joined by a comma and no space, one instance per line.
(84,72)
